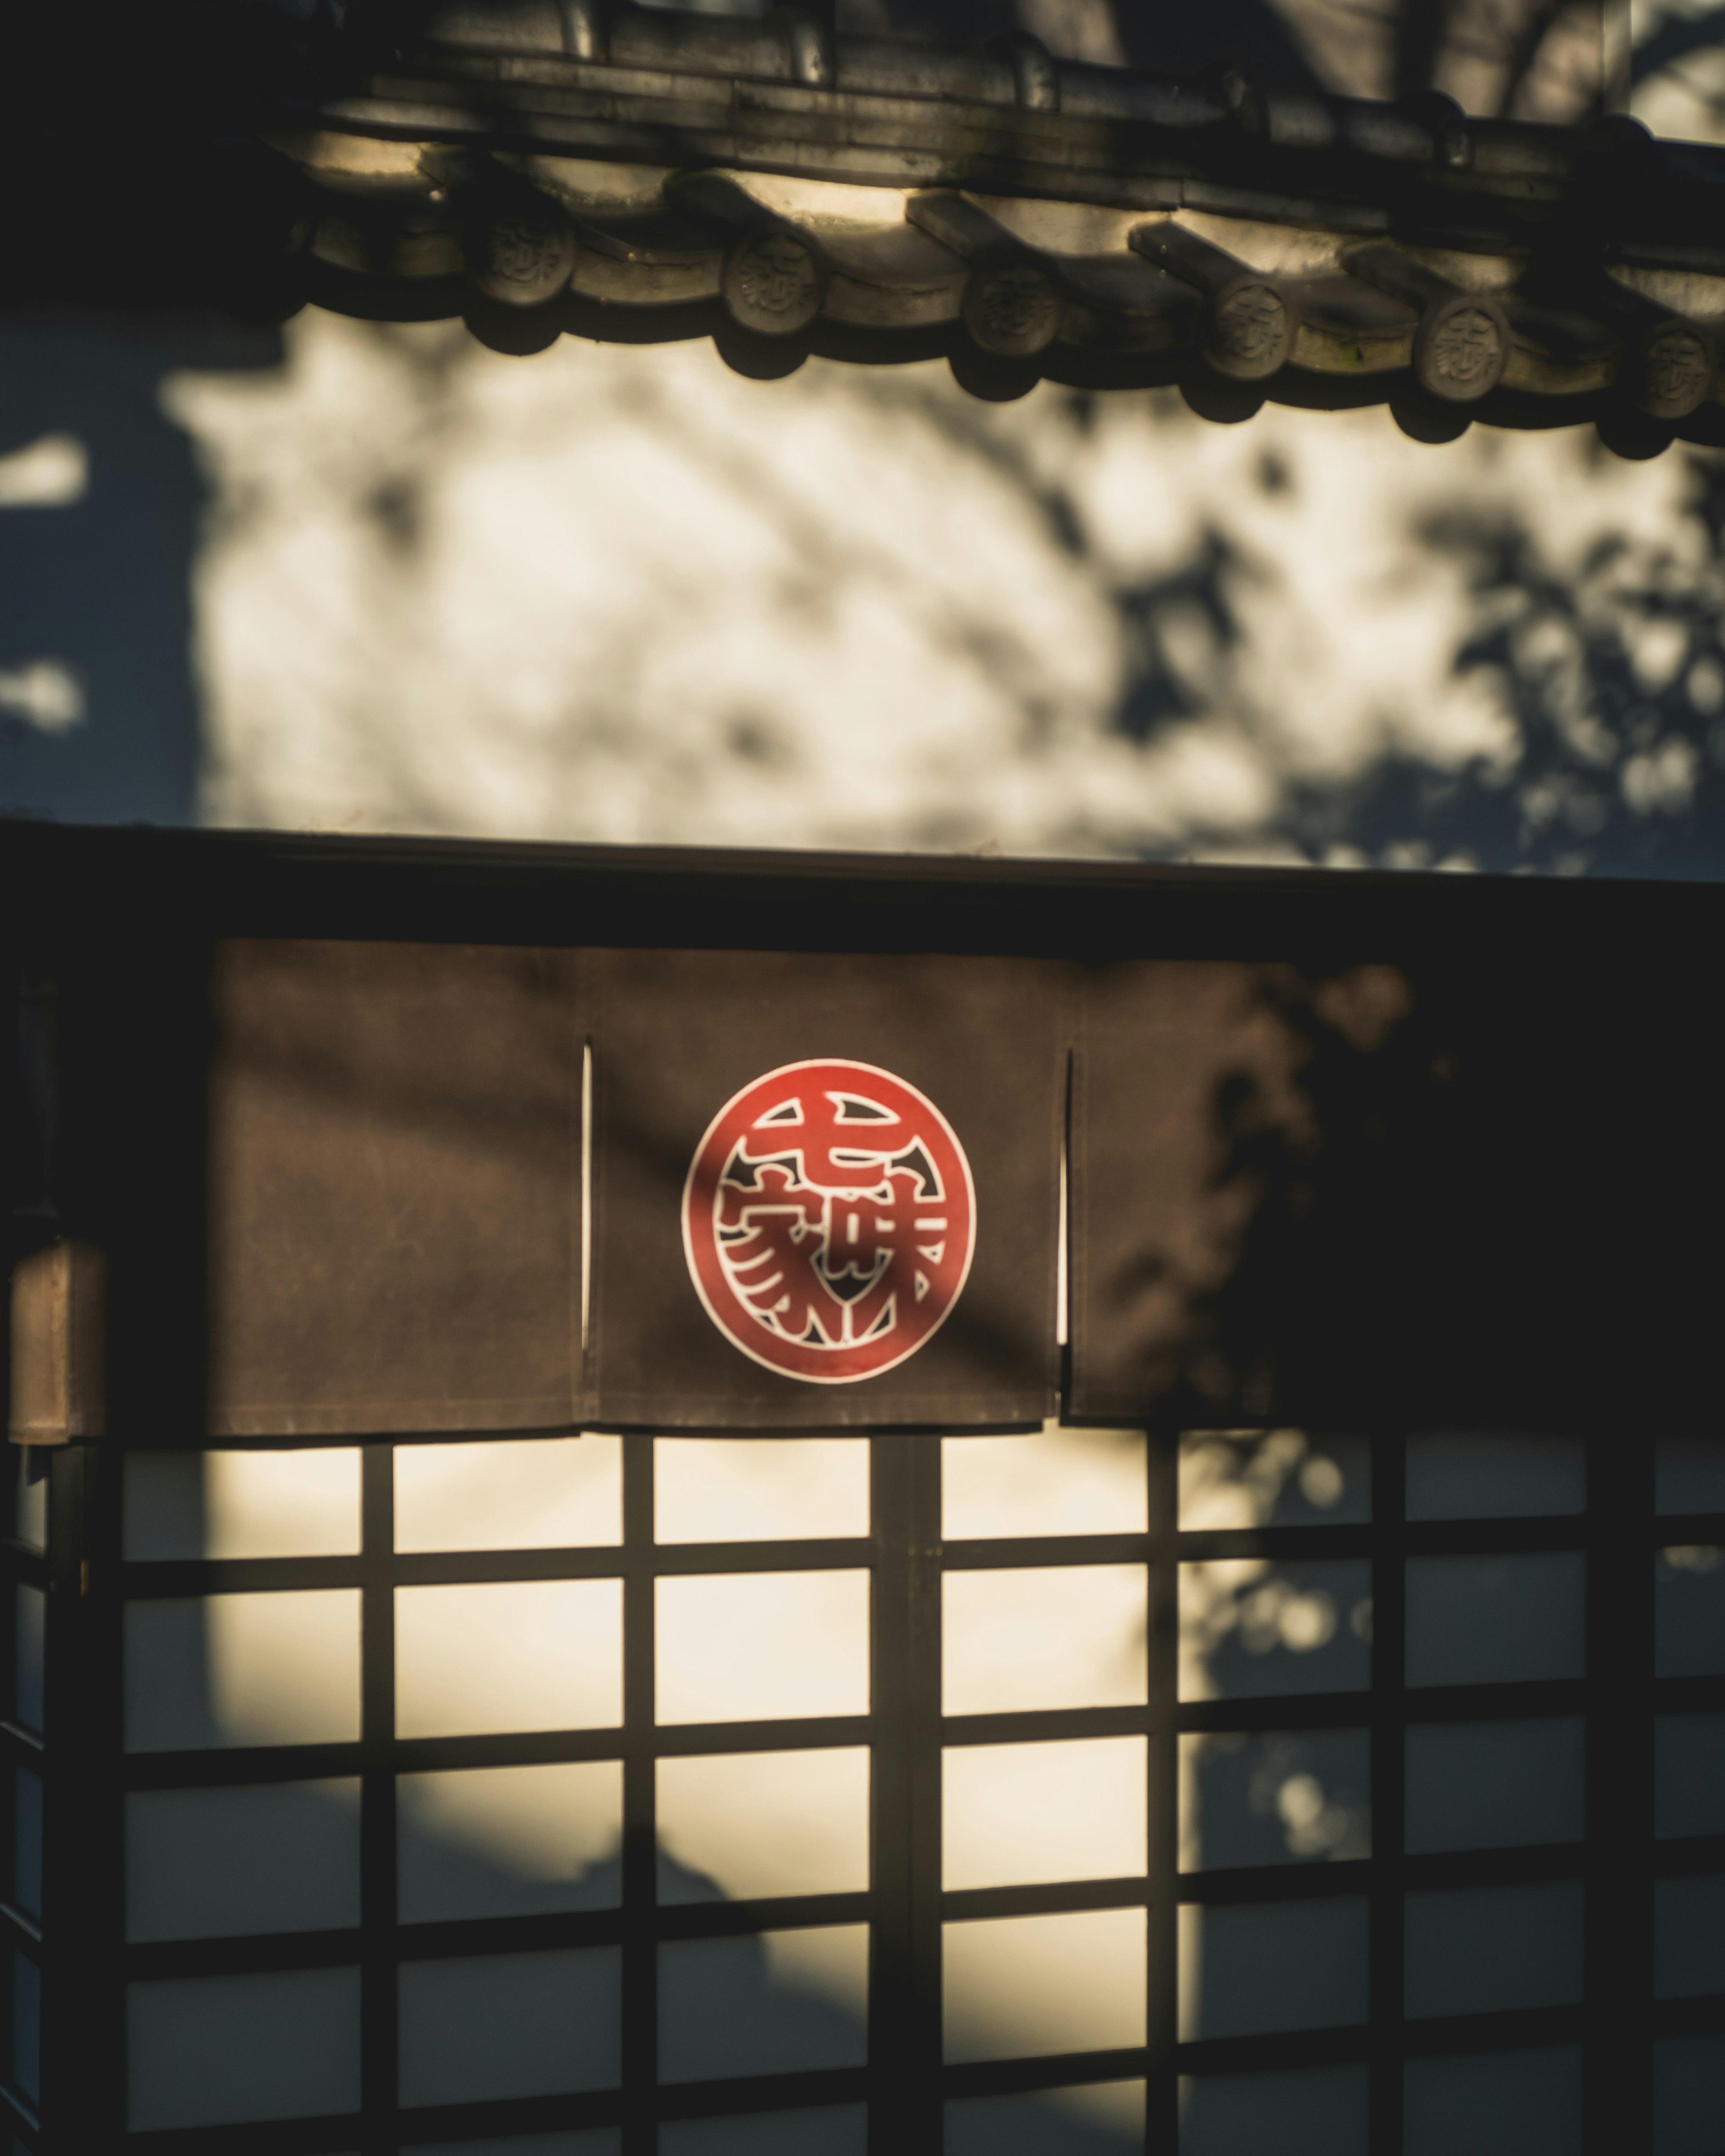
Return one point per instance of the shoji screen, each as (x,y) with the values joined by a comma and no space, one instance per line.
(1064,1793)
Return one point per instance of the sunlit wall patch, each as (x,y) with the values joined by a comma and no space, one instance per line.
(828,1220)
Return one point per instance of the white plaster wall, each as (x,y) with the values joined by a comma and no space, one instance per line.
(624,594)
(1677,68)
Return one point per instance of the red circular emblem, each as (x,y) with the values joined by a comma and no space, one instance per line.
(829,1220)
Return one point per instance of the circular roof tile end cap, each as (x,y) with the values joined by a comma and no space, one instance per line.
(1461,348)
(517,332)
(1422,419)
(1219,398)
(1671,371)
(992,381)
(1010,308)
(1249,330)
(1632,437)
(759,358)
(521,256)
(772,283)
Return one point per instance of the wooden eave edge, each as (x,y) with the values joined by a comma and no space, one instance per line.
(598,168)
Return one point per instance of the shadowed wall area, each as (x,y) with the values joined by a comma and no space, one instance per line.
(101,504)
(359,576)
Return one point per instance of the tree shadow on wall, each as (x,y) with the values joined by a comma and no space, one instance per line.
(101,505)
(1615,678)
(1599,679)
(1676,39)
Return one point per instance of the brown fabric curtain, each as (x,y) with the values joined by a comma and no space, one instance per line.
(1258,1162)
(1458,1189)
(343,1181)
(395,1189)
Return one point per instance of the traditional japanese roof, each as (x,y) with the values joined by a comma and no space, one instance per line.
(610,171)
